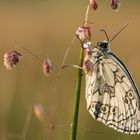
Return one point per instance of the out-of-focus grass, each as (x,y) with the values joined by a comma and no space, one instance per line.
(47,27)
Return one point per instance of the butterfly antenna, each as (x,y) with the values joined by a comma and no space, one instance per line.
(102,30)
(118,32)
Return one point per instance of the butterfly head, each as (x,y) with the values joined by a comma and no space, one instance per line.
(103,45)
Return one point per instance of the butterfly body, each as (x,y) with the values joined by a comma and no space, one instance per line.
(111,94)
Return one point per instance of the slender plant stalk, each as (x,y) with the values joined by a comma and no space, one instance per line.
(77,98)
(30,52)
(78,89)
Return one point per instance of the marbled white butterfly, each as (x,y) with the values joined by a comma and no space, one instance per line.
(111,93)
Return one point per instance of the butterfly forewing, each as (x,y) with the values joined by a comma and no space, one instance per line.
(111,94)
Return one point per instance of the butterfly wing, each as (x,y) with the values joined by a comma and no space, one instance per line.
(111,94)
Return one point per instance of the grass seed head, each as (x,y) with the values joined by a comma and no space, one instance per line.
(47,66)
(93,4)
(115,4)
(84,34)
(11,59)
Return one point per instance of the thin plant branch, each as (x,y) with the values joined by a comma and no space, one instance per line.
(74,124)
(73,66)
(52,121)
(31,52)
(77,99)
(86,16)
(64,59)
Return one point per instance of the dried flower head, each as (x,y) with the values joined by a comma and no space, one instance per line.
(93,4)
(11,59)
(115,4)
(87,66)
(47,66)
(83,33)
(39,112)
(88,52)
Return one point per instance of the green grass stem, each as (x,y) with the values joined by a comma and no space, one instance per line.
(77,98)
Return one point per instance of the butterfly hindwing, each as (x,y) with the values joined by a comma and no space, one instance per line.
(110,94)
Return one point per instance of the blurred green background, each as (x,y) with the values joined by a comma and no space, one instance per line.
(47,27)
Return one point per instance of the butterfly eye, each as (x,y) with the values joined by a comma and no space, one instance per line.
(104,109)
(126,100)
(113,110)
(130,95)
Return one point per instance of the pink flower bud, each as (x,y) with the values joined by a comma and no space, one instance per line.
(88,52)
(93,4)
(87,66)
(83,33)
(115,5)
(11,59)
(47,66)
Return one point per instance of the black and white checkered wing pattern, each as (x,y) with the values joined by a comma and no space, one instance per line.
(111,94)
